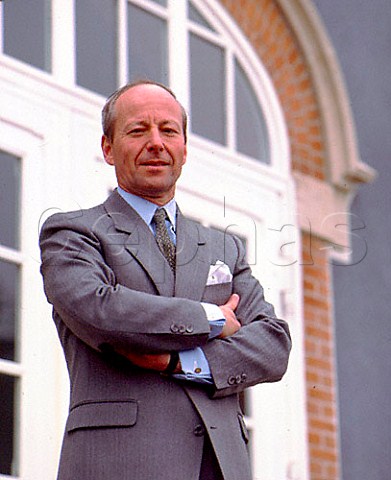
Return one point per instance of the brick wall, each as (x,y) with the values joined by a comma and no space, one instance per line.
(266,28)
(264,24)
(319,345)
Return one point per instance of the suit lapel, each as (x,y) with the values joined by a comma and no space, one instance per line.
(140,243)
(192,260)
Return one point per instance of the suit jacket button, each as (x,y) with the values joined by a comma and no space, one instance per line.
(182,329)
(174,328)
(231,380)
(238,379)
(199,430)
(190,329)
(244,377)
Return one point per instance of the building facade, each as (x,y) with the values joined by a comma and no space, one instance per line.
(272,157)
(360,33)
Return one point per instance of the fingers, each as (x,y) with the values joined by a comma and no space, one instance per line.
(232,325)
(233,301)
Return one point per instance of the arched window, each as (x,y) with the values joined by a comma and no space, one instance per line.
(179,43)
(140,38)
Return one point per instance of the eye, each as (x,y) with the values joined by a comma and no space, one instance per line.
(170,131)
(136,131)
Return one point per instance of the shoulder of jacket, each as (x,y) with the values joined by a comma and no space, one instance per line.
(85,216)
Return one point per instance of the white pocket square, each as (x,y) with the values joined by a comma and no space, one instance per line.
(219,273)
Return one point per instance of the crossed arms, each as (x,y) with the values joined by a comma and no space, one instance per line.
(160,361)
(102,308)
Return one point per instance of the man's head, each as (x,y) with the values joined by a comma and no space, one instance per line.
(145,139)
(108,111)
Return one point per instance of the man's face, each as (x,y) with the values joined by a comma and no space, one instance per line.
(148,147)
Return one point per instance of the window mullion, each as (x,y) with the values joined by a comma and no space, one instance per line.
(63,42)
(178,51)
(207,35)
(8,367)
(153,7)
(11,255)
(122,42)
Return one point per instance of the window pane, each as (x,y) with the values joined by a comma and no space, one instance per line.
(195,16)
(251,131)
(147,46)
(96,45)
(9,293)
(163,3)
(9,200)
(207,78)
(7,425)
(27,32)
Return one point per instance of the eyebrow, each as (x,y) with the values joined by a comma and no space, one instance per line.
(146,123)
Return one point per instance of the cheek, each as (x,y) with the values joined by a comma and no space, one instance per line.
(181,154)
(128,156)
(125,167)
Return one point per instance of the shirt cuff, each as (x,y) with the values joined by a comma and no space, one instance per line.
(215,318)
(195,367)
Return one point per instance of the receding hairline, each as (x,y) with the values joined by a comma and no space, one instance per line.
(109,109)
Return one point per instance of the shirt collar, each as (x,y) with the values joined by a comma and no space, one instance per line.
(146,209)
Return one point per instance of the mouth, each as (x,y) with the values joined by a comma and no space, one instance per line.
(155,163)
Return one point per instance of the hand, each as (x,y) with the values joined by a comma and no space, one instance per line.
(232,324)
(150,361)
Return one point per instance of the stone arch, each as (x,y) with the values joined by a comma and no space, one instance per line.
(291,42)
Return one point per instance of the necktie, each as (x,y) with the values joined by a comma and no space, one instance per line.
(163,239)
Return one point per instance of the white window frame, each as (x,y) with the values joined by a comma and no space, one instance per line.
(32,414)
(15,368)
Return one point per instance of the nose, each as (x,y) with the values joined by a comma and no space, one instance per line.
(155,142)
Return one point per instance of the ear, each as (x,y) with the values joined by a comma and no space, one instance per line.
(107,150)
(184,155)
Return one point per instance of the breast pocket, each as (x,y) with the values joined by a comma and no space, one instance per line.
(102,415)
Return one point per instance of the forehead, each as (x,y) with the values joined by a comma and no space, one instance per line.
(148,101)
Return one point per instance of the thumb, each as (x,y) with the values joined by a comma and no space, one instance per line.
(233,301)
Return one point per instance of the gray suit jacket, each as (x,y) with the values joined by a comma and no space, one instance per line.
(111,288)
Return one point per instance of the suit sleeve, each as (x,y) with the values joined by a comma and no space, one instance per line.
(259,351)
(104,314)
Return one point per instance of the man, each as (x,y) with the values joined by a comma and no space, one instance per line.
(157,354)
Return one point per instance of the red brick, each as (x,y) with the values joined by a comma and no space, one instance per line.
(273,40)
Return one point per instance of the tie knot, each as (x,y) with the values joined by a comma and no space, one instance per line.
(160,216)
